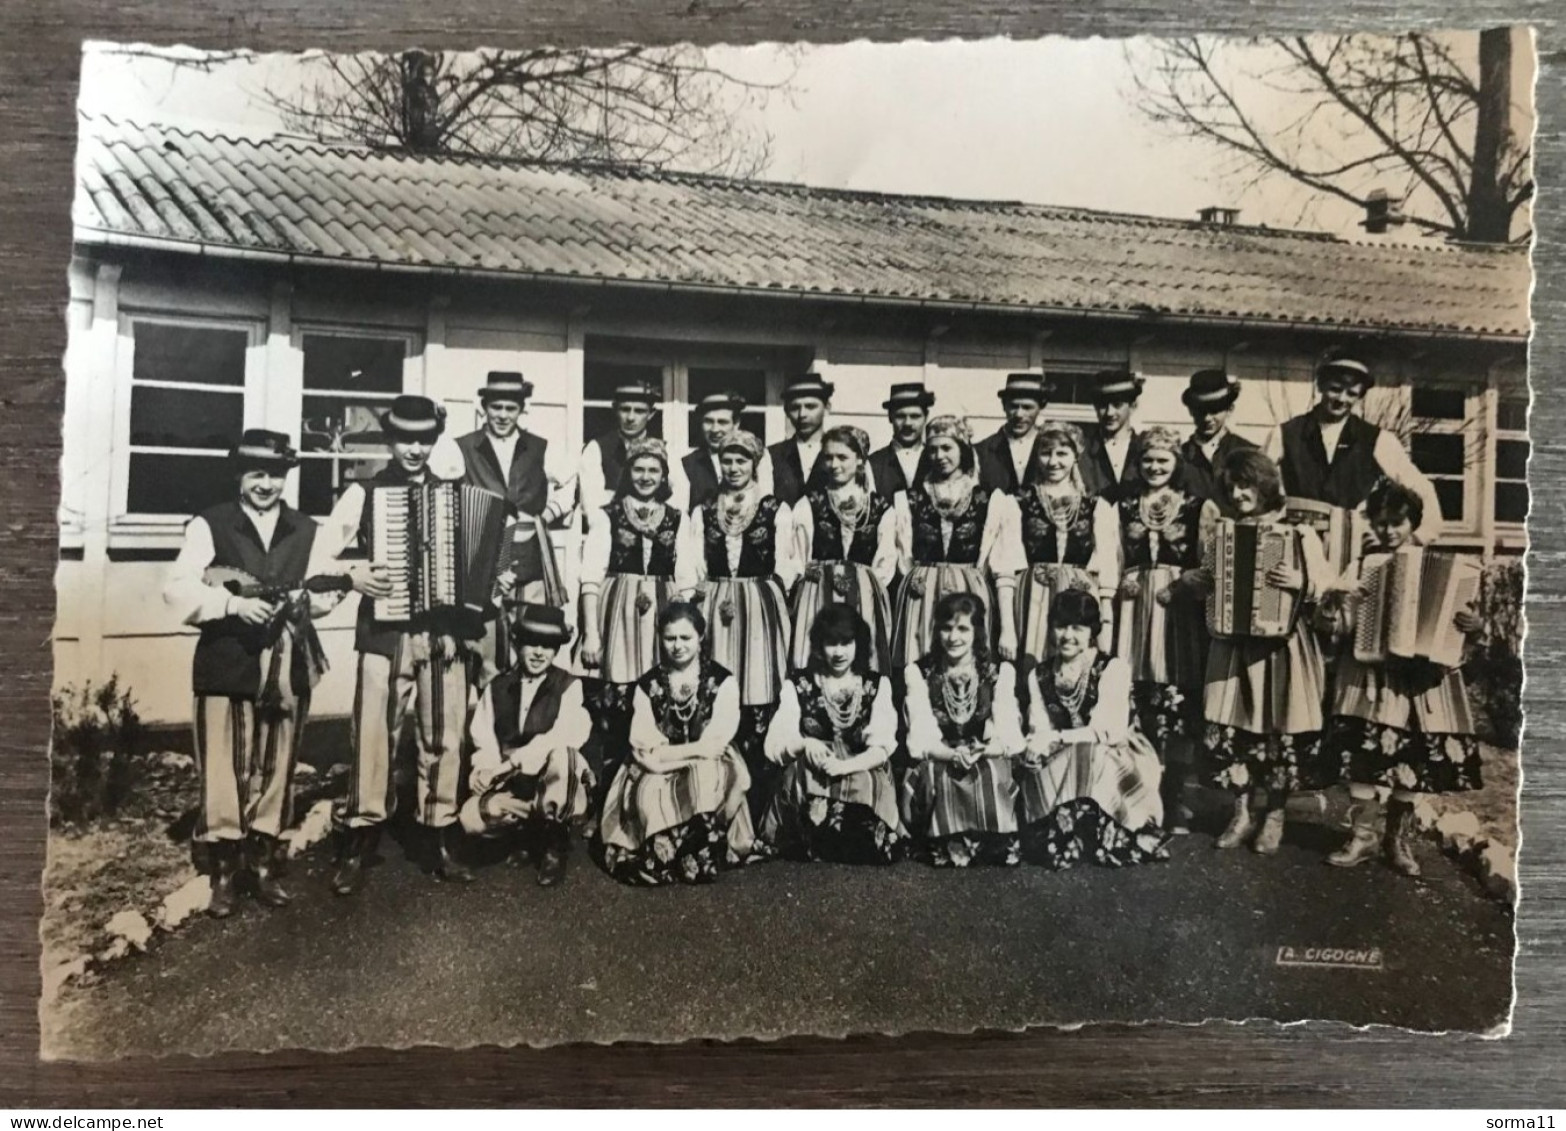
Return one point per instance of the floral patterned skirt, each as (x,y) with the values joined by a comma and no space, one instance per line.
(1081,832)
(1165,713)
(679,827)
(848,820)
(962,816)
(1239,761)
(1411,760)
(842,583)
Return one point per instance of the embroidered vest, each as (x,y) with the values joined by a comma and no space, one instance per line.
(679,728)
(626,543)
(758,545)
(815,721)
(953,732)
(967,529)
(1344,478)
(542,712)
(1177,546)
(828,542)
(1059,717)
(228,654)
(1041,537)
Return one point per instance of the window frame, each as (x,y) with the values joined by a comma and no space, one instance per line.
(150,530)
(412,382)
(1507,534)
(1070,412)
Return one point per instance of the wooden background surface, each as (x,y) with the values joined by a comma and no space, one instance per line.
(1218,1064)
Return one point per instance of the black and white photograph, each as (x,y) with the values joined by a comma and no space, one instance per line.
(653,543)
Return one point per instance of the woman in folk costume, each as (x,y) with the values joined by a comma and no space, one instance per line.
(1069,538)
(845,537)
(741,563)
(959,797)
(834,733)
(676,810)
(529,782)
(1400,727)
(954,537)
(1088,784)
(1262,702)
(1161,632)
(628,574)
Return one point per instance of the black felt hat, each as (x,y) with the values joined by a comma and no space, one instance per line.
(414,417)
(1211,390)
(1030,385)
(908,394)
(259,448)
(541,624)
(506,386)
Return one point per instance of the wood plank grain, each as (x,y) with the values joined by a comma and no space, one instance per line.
(1213,1065)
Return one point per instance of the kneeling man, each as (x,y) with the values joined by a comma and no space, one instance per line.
(529,780)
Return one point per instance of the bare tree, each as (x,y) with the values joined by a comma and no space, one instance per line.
(653,107)
(1347,115)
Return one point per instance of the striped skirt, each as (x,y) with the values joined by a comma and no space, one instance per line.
(747,633)
(628,607)
(961,816)
(1165,644)
(679,827)
(1036,588)
(915,620)
(554,785)
(853,819)
(1122,780)
(1263,711)
(842,583)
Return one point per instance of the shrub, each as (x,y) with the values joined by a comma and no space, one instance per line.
(1494,667)
(95,754)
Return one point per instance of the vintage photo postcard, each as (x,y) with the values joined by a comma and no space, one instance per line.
(656,543)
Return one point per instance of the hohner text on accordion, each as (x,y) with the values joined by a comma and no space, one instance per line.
(1243,601)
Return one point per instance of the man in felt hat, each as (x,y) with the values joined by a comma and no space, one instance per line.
(908,408)
(1334,455)
(421,667)
(717,415)
(1008,460)
(1209,397)
(635,405)
(795,461)
(1112,460)
(529,782)
(535,479)
(239,578)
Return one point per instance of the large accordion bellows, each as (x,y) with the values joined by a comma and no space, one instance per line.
(441,544)
(1243,602)
(1409,599)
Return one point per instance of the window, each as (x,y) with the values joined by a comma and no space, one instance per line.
(187,407)
(1511,459)
(349,380)
(1445,443)
(1071,392)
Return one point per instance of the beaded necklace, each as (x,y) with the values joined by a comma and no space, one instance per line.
(1158,508)
(645,517)
(960,694)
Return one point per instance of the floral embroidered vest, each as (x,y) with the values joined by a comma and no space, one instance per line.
(1059,717)
(953,732)
(1041,537)
(967,529)
(1177,546)
(655,685)
(626,543)
(815,721)
(758,545)
(828,543)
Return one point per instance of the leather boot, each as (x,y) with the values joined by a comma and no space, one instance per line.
(266,862)
(349,876)
(1361,844)
(1398,842)
(1270,836)
(552,859)
(447,866)
(1241,825)
(225,863)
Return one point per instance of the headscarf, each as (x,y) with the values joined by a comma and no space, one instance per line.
(1161,438)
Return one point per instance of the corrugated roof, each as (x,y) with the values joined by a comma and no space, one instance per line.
(194,189)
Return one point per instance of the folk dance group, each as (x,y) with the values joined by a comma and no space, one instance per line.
(990,651)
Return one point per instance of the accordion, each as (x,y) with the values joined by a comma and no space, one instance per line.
(1242,602)
(441,544)
(1409,597)
(1341,531)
